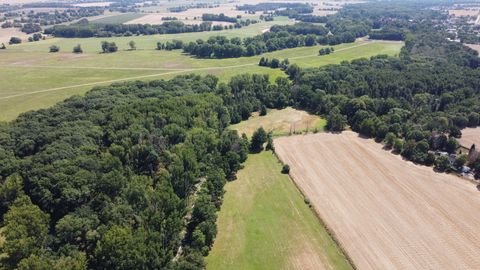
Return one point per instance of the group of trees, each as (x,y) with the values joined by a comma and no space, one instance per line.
(326,51)
(274,63)
(104,181)
(109,47)
(219,18)
(108,30)
(279,37)
(170,45)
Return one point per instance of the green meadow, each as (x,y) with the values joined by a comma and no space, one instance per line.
(33,78)
(264,223)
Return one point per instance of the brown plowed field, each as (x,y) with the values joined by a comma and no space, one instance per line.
(385,212)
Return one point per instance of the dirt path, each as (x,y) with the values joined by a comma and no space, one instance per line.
(386,213)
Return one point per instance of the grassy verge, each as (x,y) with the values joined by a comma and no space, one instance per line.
(264,223)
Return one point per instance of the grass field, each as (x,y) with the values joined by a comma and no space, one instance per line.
(385,212)
(264,223)
(281,122)
(32,78)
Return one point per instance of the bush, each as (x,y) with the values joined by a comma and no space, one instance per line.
(3,47)
(77,49)
(15,40)
(54,49)
(286,169)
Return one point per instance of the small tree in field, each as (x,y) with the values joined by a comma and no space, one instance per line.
(77,49)
(2,47)
(132,45)
(259,137)
(54,49)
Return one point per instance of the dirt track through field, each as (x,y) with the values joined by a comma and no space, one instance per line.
(385,212)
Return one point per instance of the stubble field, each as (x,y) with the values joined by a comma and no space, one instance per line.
(470,136)
(386,213)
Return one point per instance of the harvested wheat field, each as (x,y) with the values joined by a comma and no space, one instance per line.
(470,136)
(385,212)
(476,47)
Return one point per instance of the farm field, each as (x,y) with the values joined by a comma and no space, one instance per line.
(281,122)
(476,47)
(264,223)
(33,78)
(386,213)
(470,136)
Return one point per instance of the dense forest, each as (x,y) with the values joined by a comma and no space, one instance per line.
(131,175)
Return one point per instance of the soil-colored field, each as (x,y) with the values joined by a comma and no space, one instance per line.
(93,4)
(265,224)
(463,12)
(156,18)
(470,136)
(386,213)
(281,122)
(7,33)
(476,47)
(188,15)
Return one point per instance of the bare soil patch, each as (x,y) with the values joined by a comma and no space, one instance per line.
(463,12)
(476,47)
(385,212)
(470,136)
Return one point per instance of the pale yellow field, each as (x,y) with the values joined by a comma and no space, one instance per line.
(7,33)
(281,122)
(385,212)
(470,136)
(188,15)
(476,47)
(93,4)
(156,18)
(463,12)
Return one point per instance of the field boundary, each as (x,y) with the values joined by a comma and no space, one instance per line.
(317,213)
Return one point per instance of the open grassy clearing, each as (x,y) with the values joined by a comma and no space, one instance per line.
(264,223)
(386,213)
(33,78)
(281,122)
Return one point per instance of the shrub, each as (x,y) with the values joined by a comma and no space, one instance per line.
(286,169)
(15,40)
(54,49)
(77,49)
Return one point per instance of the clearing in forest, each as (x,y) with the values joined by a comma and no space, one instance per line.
(385,212)
(281,122)
(264,223)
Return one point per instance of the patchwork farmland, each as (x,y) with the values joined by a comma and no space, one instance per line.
(386,213)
